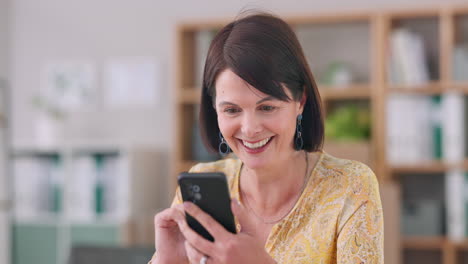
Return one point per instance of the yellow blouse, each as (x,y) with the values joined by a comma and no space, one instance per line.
(337,219)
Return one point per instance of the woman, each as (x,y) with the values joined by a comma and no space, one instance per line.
(293,203)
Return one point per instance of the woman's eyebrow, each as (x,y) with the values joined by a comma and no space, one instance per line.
(268,98)
(223,103)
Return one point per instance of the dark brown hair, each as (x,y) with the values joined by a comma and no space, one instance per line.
(264,51)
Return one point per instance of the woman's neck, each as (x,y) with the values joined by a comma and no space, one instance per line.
(269,189)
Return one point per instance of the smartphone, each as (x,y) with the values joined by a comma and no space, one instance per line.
(210,192)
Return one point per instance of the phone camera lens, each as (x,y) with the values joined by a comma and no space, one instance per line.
(196,188)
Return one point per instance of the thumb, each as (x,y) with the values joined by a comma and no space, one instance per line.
(240,212)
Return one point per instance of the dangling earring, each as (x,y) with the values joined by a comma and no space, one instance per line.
(299,141)
(223,147)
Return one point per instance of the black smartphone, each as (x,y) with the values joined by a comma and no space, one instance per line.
(210,192)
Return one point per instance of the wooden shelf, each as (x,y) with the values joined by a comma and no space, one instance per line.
(431,88)
(432,242)
(329,18)
(461,244)
(190,26)
(423,242)
(413,14)
(458,86)
(428,167)
(355,91)
(460,10)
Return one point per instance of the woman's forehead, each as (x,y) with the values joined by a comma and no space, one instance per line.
(230,85)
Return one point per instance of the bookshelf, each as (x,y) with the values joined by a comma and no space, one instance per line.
(83,194)
(440,29)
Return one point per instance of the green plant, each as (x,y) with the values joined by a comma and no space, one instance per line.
(348,123)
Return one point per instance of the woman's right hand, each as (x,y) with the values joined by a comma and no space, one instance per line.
(169,241)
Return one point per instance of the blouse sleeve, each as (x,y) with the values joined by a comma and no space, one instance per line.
(360,238)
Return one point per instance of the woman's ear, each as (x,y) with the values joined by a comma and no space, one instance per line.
(302,102)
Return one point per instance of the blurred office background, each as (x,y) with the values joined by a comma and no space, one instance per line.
(98,103)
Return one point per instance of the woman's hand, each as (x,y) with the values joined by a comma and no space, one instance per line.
(227,247)
(169,240)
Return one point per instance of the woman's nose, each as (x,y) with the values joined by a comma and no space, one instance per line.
(251,125)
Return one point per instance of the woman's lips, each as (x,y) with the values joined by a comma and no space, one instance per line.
(256,147)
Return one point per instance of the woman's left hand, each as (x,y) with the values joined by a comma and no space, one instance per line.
(227,247)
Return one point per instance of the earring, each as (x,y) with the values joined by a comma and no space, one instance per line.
(223,147)
(299,141)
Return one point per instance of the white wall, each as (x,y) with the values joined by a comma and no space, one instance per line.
(4,64)
(4,41)
(97,30)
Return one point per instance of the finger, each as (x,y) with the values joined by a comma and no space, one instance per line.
(208,222)
(240,212)
(193,254)
(168,218)
(197,241)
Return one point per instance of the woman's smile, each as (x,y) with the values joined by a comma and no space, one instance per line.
(254,147)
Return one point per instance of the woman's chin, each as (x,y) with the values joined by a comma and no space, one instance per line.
(255,162)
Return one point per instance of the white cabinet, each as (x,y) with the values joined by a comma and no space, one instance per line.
(84,194)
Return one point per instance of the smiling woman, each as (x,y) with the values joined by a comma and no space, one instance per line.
(295,203)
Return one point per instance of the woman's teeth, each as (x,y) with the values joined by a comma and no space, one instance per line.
(256,145)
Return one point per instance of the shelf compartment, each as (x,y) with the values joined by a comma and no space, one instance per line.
(423,256)
(316,37)
(355,150)
(459,48)
(419,27)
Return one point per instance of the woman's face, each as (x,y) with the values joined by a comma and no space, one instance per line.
(259,128)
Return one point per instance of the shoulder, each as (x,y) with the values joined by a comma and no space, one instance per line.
(354,178)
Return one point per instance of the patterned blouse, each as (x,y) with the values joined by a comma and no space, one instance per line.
(337,219)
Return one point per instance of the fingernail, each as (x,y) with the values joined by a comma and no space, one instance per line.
(236,201)
(187,205)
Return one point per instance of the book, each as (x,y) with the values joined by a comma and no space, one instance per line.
(115,181)
(455,204)
(30,188)
(453,127)
(408,61)
(409,129)
(80,191)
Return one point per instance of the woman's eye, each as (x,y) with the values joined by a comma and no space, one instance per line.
(267,108)
(231,110)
